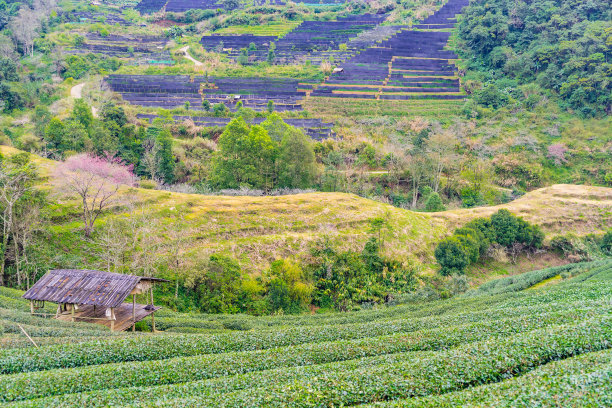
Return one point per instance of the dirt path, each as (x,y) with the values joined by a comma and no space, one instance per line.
(77,93)
(185,50)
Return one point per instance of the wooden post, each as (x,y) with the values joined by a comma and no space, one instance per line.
(73,312)
(31,307)
(134,312)
(112,316)
(27,335)
(152,314)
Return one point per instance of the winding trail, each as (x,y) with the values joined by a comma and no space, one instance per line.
(185,50)
(77,93)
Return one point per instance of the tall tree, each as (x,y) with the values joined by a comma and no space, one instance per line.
(164,156)
(245,157)
(95,180)
(17,178)
(297,167)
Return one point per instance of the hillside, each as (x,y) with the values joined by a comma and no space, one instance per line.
(258,230)
(508,341)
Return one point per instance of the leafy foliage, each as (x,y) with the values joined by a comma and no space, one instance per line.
(469,243)
(562,45)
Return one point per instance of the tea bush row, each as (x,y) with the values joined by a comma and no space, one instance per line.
(161,347)
(426,373)
(44,383)
(581,381)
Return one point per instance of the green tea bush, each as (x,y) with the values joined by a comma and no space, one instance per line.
(426,373)
(585,380)
(31,385)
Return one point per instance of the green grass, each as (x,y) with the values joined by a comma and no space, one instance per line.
(485,349)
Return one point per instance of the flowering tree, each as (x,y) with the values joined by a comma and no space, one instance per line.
(557,153)
(95,180)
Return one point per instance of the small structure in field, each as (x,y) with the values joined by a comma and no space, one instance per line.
(95,297)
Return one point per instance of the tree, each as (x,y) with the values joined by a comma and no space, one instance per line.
(297,167)
(287,288)
(8,69)
(219,287)
(440,148)
(506,227)
(434,203)
(452,256)
(245,156)
(54,133)
(102,140)
(95,180)
(275,126)
(418,167)
(81,112)
(606,242)
(75,138)
(165,158)
(206,105)
(25,28)
(17,178)
(220,110)
(271,56)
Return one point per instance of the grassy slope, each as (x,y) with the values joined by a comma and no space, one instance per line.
(259,229)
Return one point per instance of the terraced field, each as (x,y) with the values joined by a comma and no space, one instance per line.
(498,346)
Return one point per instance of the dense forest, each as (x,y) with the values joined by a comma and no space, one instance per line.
(561,46)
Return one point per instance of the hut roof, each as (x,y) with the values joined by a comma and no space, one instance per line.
(85,287)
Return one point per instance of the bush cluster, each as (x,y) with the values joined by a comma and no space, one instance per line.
(470,243)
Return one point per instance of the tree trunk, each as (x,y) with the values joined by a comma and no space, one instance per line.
(17,271)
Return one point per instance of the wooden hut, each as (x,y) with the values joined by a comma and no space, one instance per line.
(95,297)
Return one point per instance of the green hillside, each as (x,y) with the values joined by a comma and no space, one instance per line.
(504,340)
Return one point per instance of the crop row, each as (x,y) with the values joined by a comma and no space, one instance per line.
(63,381)
(171,319)
(528,279)
(50,331)
(419,374)
(168,346)
(508,298)
(364,379)
(581,381)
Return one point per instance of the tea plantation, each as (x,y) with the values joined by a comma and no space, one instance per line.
(507,343)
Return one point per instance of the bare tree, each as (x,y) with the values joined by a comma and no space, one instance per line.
(26,222)
(150,159)
(7,48)
(26,25)
(418,166)
(16,182)
(177,243)
(440,148)
(95,180)
(147,243)
(116,242)
(25,28)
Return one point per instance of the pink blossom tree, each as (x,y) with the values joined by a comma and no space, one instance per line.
(557,153)
(96,180)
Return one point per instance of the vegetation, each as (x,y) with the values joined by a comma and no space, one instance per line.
(542,336)
(520,50)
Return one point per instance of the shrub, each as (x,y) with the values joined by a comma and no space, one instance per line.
(434,203)
(452,256)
